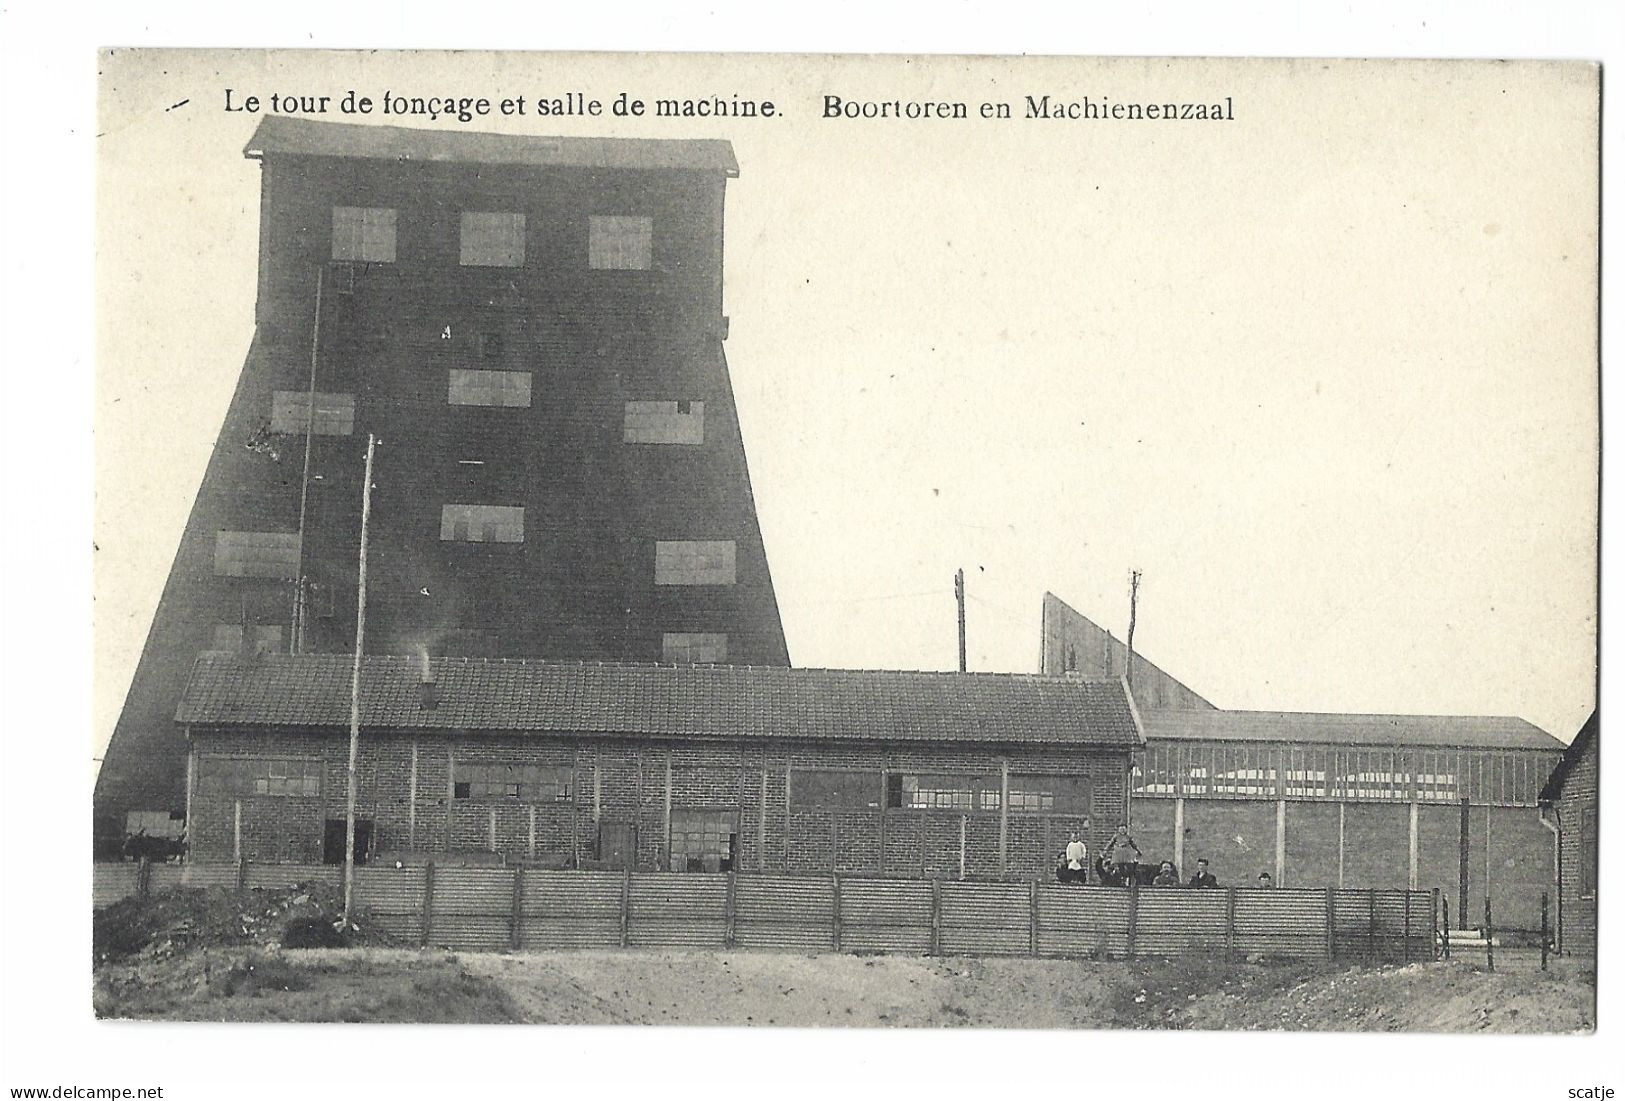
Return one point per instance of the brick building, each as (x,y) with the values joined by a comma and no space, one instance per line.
(1569,802)
(1331,800)
(533,327)
(694,767)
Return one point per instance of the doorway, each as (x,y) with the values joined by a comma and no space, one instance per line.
(333,841)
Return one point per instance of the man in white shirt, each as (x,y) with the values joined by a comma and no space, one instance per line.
(1077,859)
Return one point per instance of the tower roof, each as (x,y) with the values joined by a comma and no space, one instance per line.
(280,136)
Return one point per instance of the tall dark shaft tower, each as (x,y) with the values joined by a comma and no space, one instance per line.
(533,328)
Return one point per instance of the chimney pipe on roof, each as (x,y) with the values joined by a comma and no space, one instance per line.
(428,692)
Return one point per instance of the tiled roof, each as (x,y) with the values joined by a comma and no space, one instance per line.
(313,690)
(1454,731)
(308,137)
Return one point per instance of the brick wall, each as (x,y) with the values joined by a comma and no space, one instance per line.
(1579,907)
(625,782)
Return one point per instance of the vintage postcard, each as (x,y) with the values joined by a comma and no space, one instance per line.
(847,541)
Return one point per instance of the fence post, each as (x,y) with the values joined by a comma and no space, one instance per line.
(1133,916)
(1371,925)
(626,906)
(1545,928)
(1433,922)
(834,915)
(1032,916)
(428,902)
(516,920)
(1331,923)
(1407,937)
(936,917)
(1230,922)
(1489,935)
(728,910)
(1446,900)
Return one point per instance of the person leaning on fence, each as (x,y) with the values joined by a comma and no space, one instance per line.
(1076,859)
(1265,881)
(1123,852)
(1166,876)
(1105,874)
(1203,877)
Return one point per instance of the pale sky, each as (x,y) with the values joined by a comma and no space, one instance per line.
(1325,374)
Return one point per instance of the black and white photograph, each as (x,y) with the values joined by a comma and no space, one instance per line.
(873,544)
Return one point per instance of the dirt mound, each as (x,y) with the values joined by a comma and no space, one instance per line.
(255,984)
(1435,997)
(175,920)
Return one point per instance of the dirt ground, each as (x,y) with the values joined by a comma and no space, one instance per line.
(771,989)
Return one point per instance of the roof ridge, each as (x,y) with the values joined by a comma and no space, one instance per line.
(1355,715)
(542,696)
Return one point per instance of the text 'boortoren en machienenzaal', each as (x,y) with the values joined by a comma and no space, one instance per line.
(1034,107)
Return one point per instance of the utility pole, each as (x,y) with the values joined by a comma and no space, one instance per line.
(1133,607)
(959,595)
(355,684)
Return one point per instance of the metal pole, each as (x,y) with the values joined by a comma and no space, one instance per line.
(1461,900)
(1489,935)
(355,683)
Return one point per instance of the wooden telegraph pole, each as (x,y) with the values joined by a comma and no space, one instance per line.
(959,595)
(1133,607)
(355,684)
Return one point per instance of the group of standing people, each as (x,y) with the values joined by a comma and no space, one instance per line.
(1119,865)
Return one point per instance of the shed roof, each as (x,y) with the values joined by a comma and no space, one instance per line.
(278,136)
(313,690)
(1441,731)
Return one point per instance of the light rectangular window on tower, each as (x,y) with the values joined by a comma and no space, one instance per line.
(693,648)
(681,422)
(267,554)
(509,389)
(492,240)
(482,523)
(694,562)
(364,233)
(290,412)
(619,243)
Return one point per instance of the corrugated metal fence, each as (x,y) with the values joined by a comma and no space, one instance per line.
(484,909)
